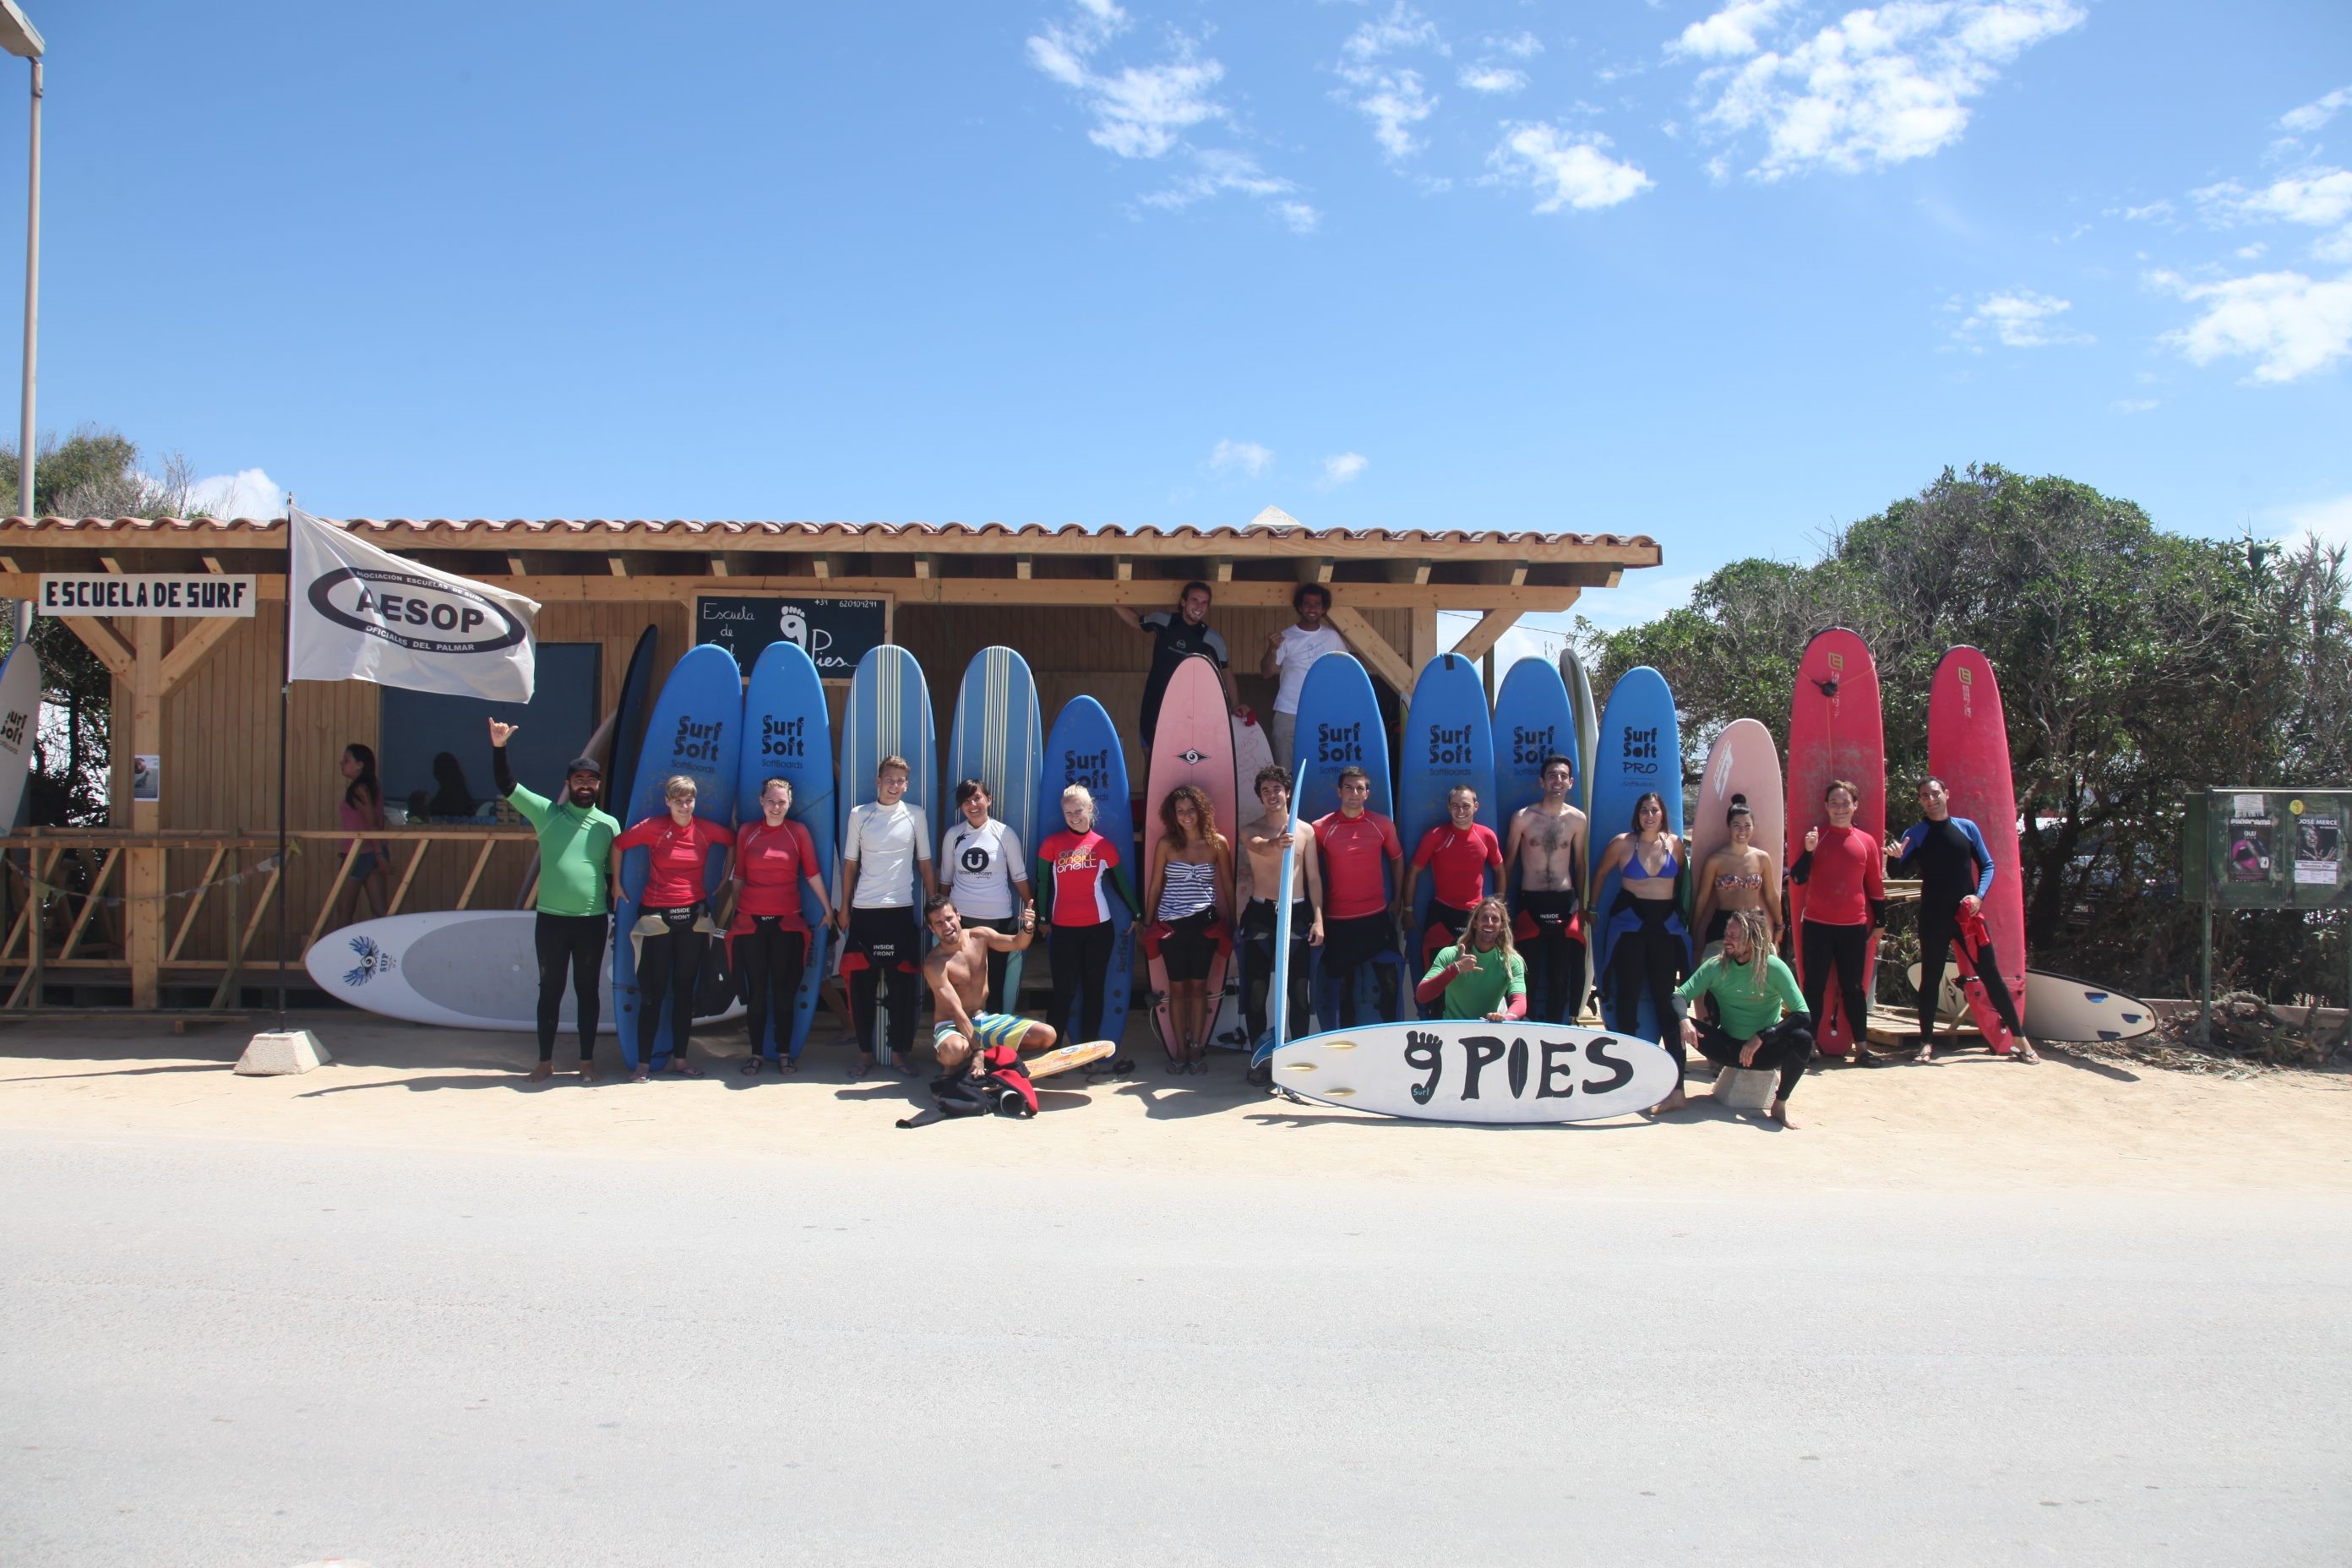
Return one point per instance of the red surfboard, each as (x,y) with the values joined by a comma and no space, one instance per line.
(1836,732)
(1968,748)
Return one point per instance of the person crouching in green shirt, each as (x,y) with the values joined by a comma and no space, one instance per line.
(1483,975)
(575,903)
(1760,1012)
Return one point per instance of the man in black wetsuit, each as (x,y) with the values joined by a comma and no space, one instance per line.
(1176,635)
(1954,868)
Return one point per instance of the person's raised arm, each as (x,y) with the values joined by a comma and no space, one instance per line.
(1310,852)
(1269,658)
(1134,621)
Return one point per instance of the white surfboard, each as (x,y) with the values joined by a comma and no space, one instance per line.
(1475,1072)
(20,726)
(462,969)
(1253,750)
(2061,1007)
(1951,1002)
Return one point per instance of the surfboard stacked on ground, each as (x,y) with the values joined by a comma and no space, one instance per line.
(1253,750)
(787,734)
(1745,766)
(461,969)
(1478,1072)
(2057,1008)
(889,713)
(1968,748)
(1340,726)
(696,730)
(1084,749)
(1836,730)
(996,738)
(1193,745)
(1638,751)
(1448,742)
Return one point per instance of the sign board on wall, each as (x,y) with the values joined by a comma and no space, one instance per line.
(146,594)
(2269,850)
(834,632)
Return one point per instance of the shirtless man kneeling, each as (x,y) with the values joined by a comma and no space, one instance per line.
(958,972)
(1546,848)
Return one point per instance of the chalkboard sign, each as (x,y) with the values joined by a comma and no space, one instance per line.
(834,632)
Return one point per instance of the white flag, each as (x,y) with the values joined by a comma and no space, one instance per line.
(357,613)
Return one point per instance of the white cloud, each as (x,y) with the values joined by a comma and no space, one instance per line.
(1493,78)
(1245,457)
(2021,318)
(1342,470)
(2316,113)
(1217,170)
(1394,99)
(2155,210)
(1518,45)
(2320,197)
(2289,324)
(2336,247)
(2133,404)
(1729,33)
(1402,29)
(1877,87)
(1569,166)
(248,492)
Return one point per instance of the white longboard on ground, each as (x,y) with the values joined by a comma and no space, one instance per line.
(1453,1070)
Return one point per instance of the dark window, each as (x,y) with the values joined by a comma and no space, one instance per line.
(434,751)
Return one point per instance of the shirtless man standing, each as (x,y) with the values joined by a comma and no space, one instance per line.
(1547,846)
(957,970)
(1263,842)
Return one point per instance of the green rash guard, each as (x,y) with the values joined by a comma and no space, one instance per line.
(575,850)
(1740,1012)
(1485,989)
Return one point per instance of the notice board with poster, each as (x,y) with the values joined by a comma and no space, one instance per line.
(834,632)
(2268,850)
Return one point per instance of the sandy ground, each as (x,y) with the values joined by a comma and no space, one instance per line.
(1969,1123)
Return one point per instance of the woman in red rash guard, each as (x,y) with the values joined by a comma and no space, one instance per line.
(670,960)
(1845,877)
(769,937)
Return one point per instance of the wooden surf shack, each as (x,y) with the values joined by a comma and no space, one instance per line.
(174,903)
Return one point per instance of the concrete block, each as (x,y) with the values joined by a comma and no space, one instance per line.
(1746,1089)
(297,1050)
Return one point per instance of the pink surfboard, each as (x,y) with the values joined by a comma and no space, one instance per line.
(1836,730)
(1968,748)
(1743,763)
(1194,745)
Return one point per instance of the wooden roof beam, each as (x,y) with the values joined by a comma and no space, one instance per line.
(618,567)
(1373,649)
(1487,633)
(100,638)
(196,640)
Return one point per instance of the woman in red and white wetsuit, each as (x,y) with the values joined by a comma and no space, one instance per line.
(1079,874)
(769,937)
(1845,877)
(671,961)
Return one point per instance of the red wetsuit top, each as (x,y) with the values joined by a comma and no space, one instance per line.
(1352,887)
(773,862)
(679,855)
(1845,879)
(1461,859)
(1080,864)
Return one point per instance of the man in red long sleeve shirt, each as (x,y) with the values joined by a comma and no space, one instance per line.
(1843,874)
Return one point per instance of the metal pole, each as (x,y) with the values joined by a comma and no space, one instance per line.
(2205,971)
(285,687)
(32,304)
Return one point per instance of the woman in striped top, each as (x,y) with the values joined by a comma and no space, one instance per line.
(1191,879)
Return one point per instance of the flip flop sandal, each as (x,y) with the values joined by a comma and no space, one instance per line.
(752,1068)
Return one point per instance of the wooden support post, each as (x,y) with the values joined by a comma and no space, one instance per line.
(1424,635)
(1490,630)
(144,914)
(100,638)
(1373,649)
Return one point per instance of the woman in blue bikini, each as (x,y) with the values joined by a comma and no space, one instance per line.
(1646,934)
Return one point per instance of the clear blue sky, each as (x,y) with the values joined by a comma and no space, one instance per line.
(1726,276)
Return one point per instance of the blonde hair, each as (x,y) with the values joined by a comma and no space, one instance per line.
(680,784)
(1758,931)
(1083,795)
(1470,928)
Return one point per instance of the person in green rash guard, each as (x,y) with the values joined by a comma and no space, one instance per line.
(1483,975)
(1760,1012)
(575,899)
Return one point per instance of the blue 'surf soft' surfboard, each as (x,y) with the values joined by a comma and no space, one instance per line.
(889,715)
(787,735)
(1340,726)
(1448,741)
(1084,749)
(1639,749)
(997,740)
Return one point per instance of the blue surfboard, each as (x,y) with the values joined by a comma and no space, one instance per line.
(1534,718)
(1340,726)
(1448,741)
(889,715)
(1639,749)
(1084,749)
(788,735)
(996,739)
(696,729)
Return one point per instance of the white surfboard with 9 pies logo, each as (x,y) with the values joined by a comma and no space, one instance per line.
(1458,1071)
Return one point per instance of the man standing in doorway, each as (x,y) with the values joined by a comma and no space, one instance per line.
(574,918)
(1289,651)
(1176,635)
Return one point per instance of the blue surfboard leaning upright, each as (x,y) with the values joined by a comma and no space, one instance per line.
(696,729)
(1340,726)
(997,740)
(889,715)
(1084,749)
(1448,742)
(788,735)
(1639,749)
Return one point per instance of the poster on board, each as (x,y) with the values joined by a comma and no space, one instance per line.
(2249,848)
(2318,851)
